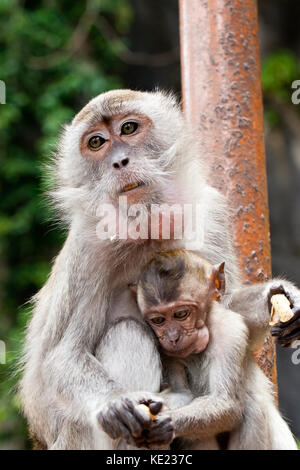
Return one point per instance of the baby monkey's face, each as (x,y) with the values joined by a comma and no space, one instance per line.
(180,325)
(175,295)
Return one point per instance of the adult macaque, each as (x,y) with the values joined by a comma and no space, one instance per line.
(209,359)
(134,144)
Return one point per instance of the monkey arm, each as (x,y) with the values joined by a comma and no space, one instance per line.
(253,303)
(63,382)
(206,417)
(225,360)
(178,394)
(72,387)
(66,386)
(250,301)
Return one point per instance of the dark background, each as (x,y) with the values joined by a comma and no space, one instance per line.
(56,55)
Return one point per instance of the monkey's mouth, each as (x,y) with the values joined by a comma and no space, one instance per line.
(177,352)
(183,349)
(131,187)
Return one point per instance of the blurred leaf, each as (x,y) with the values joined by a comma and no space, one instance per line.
(279,70)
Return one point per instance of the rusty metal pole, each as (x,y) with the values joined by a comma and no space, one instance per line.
(222,99)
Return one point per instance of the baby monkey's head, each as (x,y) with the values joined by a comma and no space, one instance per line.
(175,293)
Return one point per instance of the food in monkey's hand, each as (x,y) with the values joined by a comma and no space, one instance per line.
(147,410)
(281,310)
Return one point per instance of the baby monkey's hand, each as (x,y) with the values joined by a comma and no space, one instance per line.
(161,431)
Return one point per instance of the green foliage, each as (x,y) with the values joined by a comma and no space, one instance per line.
(54,57)
(279,70)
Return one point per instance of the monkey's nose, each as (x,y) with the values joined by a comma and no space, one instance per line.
(174,339)
(121,163)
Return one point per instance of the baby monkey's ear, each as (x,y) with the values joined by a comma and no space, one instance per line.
(133,288)
(217,281)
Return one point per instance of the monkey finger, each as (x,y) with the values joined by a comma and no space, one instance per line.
(279,289)
(117,427)
(140,442)
(159,427)
(123,425)
(155,406)
(159,432)
(124,432)
(284,344)
(133,424)
(284,329)
(125,415)
(285,332)
(159,424)
(104,420)
(112,425)
(286,340)
(165,436)
(106,427)
(276,331)
(143,418)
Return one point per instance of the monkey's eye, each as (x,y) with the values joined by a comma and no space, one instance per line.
(129,128)
(96,142)
(181,314)
(158,320)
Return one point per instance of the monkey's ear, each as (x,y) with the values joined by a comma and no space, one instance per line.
(133,288)
(217,280)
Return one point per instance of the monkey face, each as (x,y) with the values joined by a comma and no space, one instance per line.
(120,144)
(179,328)
(175,293)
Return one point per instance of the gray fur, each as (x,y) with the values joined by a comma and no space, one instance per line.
(64,386)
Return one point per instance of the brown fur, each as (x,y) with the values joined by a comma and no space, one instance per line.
(163,275)
(36,443)
(119,97)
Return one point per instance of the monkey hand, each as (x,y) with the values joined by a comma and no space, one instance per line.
(122,417)
(289,331)
(160,434)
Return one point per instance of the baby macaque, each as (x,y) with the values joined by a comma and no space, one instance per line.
(187,285)
(207,359)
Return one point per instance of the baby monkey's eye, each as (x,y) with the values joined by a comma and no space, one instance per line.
(158,320)
(181,314)
(129,128)
(96,142)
